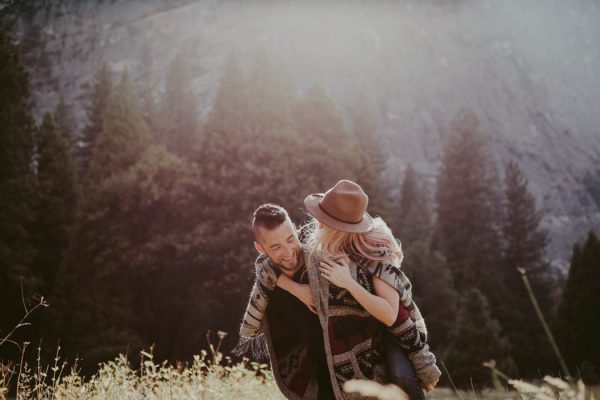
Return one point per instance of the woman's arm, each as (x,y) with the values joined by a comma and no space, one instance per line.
(302,292)
(383,305)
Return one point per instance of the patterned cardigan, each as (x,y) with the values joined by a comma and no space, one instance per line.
(352,336)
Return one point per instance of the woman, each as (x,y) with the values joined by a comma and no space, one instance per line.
(362,292)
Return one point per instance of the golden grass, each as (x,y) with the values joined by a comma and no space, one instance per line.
(204,379)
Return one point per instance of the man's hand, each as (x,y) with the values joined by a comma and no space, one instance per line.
(305,295)
(338,274)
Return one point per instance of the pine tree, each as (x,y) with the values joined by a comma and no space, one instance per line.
(525,240)
(578,320)
(318,119)
(65,123)
(178,124)
(467,230)
(98,101)
(230,107)
(16,186)
(433,291)
(325,145)
(475,339)
(163,239)
(524,247)
(364,128)
(124,135)
(412,216)
(370,159)
(93,295)
(363,172)
(269,92)
(56,200)
(150,108)
(147,258)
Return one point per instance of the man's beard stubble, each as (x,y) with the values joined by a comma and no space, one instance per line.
(299,263)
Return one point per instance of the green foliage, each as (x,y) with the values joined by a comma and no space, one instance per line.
(178,121)
(475,339)
(268,91)
(525,240)
(65,124)
(98,102)
(124,135)
(364,128)
(524,247)
(578,320)
(16,182)
(323,152)
(369,158)
(432,280)
(467,230)
(228,113)
(138,230)
(412,216)
(467,226)
(433,291)
(56,200)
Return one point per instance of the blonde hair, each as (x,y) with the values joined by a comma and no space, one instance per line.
(377,244)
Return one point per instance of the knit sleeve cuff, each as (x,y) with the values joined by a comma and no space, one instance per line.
(424,362)
(266,273)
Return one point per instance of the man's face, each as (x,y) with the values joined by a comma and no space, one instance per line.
(281,245)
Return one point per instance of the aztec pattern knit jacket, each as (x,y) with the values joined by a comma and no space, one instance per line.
(352,337)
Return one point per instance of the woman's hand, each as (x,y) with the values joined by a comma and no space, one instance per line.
(338,274)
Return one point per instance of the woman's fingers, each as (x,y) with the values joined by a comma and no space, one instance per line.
(325,274)
(326,267)
(330,263)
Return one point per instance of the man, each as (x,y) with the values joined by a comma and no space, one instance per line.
(291,329)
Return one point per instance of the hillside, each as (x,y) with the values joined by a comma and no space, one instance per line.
(530,71)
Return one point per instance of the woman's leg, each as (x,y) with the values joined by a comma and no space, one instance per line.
(399,368)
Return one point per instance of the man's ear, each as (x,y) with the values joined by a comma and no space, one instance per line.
(259,248)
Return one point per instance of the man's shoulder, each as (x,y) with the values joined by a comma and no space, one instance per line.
(263,263)
(262,259)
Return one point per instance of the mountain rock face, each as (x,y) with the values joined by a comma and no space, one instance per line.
(529,70)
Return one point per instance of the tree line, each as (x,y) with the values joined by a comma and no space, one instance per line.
(136,227)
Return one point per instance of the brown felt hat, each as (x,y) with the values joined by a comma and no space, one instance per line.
(343,207)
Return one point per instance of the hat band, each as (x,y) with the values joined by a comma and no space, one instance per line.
(336,218)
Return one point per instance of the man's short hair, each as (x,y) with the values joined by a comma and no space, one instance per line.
(268,216)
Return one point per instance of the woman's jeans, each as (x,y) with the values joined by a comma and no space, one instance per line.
(399,368)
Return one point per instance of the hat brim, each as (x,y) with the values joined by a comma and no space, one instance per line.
(311,203)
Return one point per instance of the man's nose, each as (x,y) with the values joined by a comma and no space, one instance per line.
(289,251)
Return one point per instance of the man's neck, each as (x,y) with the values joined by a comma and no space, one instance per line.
(289,274)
